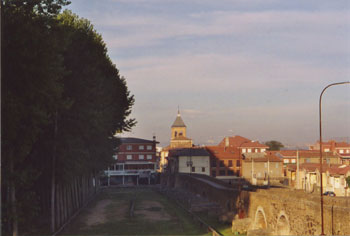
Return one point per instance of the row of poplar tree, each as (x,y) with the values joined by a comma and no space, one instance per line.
(62,101)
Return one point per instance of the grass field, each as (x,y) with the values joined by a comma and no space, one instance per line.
(154,214)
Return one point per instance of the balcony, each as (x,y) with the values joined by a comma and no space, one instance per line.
(128,172)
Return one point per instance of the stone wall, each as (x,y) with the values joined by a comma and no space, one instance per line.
(276,210)
(298,213)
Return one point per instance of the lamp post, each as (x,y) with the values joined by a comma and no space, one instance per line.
(320,119)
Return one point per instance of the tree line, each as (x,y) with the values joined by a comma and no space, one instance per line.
(62,102)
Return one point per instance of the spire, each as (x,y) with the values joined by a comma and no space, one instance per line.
(178,121)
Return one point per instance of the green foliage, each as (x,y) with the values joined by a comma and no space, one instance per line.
(274,145)
(348,181)
(55,64)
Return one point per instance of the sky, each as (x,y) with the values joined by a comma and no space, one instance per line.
(234,67)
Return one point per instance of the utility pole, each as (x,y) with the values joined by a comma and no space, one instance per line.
(268,171)
(321,161)
(298,174)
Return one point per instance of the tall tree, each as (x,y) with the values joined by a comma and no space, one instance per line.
(62,97)
(274,145)
(31,70)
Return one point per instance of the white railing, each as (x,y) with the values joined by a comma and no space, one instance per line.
(128,172)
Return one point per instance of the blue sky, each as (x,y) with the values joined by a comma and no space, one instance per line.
(251,68)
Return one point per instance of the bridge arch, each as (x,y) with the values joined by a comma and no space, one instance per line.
(260,219)
(282,226)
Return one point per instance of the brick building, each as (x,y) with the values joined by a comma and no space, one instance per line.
(135,161)
(224,162)
(226,157)
(340,148)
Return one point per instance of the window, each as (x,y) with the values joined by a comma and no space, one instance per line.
(341,151)
(203,169)
(180,134)
(230,172)
(213,163)
(285,160)
(244,150)
(115,157)
(222,173)
(129,157)
(175,134)
(213,173)
(149,147)
(230,163)
(141,157)
(263,150)
(293,160)
(326,149)
(222,164)
(249,150)
(149,157)
(129,147)
(237,173)
(119,167)
(193,169)
(238,163)
(141,147)
(348,151)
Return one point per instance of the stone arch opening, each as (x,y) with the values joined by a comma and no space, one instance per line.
(282,226)
(260,219)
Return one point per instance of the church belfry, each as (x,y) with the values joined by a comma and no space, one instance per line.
(178,133)
(178,129)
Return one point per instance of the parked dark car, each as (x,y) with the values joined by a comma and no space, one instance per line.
(329,193)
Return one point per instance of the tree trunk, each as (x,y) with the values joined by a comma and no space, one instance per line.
(13,200)
(53,178)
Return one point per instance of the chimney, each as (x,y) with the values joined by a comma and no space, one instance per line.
(227,143)
(332,149)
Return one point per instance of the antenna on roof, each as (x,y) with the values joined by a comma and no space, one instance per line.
(178,110)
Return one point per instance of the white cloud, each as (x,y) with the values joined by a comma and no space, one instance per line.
(303,30)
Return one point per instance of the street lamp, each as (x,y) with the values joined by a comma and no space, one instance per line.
(320,112)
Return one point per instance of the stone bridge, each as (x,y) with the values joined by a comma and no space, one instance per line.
(279,211)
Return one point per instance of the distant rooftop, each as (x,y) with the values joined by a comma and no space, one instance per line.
(190,152)
(135,140)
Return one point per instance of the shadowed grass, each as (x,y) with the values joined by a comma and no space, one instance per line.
(180,223)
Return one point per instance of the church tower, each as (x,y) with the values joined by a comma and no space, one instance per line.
(178,134)
(178,129)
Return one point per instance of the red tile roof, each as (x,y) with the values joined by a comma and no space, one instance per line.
(222,152)
(305,153)
(312,167)
(239,141)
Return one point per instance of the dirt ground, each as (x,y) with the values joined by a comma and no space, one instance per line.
(152,210)
(97,214)
(149,210)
